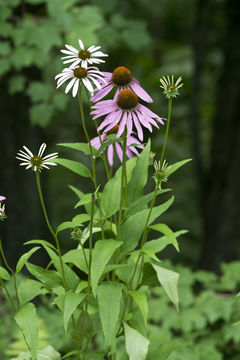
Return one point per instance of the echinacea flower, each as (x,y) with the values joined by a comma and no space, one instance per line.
(126,110)
(121,78)
(170,87)
(131,149)
(2,208)
(88,76)
(83,57)
(36,162)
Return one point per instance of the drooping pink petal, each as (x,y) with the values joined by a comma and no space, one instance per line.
(129,123)
(110,119)
(119,151)
(122,124)
(143,121)
(100,94)
(138,126)
(110,155)
(140,92)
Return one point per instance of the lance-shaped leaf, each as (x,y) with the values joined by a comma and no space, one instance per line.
(112,190)
(139,175)
(48,353)
(41,242)
(78,220)
(74,166)
(153,247)
(76,257)
(83,147)
(28,289)
(140,298)
(50,278)
(109,300)
(174,167)
(164,229)
(132,229)
(26,319)
(24,258)
(169,281)
(102,252)
(70,276)
(4,274)
(136,344)
(71,302)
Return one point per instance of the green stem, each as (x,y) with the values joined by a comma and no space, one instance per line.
(50,227)
(8,295)
(103,156)
(167,129)
(91,154)
(11,270)
(123,187)
(90,251)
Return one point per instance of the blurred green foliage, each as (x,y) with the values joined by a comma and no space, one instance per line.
(204,328)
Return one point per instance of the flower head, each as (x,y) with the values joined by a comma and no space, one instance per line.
(170,89)
(88,76)
(2,208)
(160,171)
(36,162)
(83,57)
(132,145)
(125,110)
(121,78)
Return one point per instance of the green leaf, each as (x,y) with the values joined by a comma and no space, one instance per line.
(40,114)
(109,299)
(48,353)
(164,229)
(86,199)
(4,274)
(154,246)
(83,328)
(24,258)
(16,84)
(78,220)
(112,190)
(50,278)
(28,289)
(26,319)
(132,229)
(74,166)
(71,278)
(71,302)
(83,147)
(139,175)
(140,298)
(140,203)
(76,257)
(102,252)
(41,242)
(169,281)
(136,35)
(39,91)
(172,168)
(136,344)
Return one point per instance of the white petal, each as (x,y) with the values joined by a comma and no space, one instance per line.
(95,82)
(28,151)
(42,149)
(70,85)
(88,85)
(71,48)
(81,44)
(75,88)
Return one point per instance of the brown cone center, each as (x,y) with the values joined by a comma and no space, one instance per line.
(121,76)
(80,72)
(84,54)
(113,130)
(127,99)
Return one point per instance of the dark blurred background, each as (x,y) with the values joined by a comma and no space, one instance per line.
(197,39)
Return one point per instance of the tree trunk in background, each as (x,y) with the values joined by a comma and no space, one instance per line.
(222,194)
(24,216)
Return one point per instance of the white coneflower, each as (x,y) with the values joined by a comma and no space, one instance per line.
(83,57)
(88,76)
(36,162)
(170,88)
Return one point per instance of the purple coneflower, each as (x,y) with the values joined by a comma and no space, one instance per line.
(121,78)
(83,57)
(36,162)
(130,150)
(125,109)
(88,76)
